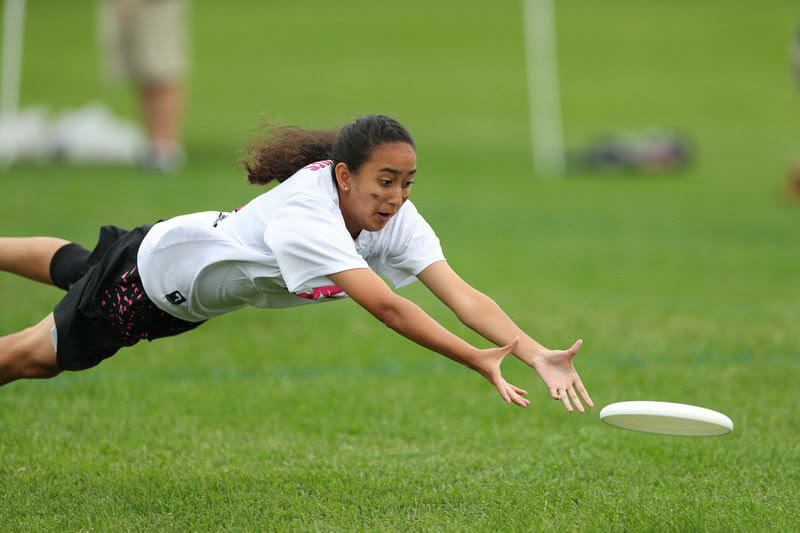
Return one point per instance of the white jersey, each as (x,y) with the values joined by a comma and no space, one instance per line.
(276,251)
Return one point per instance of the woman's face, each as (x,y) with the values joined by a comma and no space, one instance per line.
(369,198)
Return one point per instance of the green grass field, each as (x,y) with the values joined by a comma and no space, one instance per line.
(684,287)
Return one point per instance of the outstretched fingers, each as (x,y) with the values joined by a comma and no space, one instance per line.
(500,383)
(510,393)
(584,394)
(516,395)
(518,390)
(562,379)
(564,395)
(575,401)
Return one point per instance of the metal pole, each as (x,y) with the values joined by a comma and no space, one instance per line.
(547,141)
(13,28)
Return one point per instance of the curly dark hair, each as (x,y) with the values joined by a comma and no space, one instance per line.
(286,149)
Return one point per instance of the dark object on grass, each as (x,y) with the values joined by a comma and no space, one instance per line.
(651,151)
(793,183)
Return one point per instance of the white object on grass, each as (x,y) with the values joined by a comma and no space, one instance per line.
(547,142)
(24,134)
(666,418)
(89,134)
(93,134)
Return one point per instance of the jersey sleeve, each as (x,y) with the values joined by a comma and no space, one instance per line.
(416,248)
(310,241)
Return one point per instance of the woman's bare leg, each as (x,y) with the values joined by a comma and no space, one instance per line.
(29,353)
(29,256)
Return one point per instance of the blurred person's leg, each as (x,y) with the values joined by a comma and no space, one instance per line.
(146,43)
(162,105)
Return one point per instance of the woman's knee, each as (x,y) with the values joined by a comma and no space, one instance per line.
(68,264)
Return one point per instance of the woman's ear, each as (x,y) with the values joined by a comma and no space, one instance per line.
(343,176)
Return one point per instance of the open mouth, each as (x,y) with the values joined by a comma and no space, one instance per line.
(384,216)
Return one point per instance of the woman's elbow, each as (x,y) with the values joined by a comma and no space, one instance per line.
(388,313)
(472,307)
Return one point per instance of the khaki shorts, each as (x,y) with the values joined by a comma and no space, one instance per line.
(145,40)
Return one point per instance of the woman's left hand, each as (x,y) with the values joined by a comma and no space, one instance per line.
(559,375)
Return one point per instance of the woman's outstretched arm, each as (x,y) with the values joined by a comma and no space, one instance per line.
(483,315)
(403,316)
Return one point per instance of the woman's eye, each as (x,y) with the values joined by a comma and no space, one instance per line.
(408,184)
(386,182)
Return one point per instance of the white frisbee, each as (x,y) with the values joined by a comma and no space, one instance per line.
(666,418)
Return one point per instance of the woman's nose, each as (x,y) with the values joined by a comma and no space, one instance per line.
(396,197)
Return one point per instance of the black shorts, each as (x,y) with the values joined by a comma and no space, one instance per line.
(107,307)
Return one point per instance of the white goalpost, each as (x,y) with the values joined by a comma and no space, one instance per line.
(13,26)
(547,138)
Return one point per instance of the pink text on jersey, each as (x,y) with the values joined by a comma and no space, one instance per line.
(329,291)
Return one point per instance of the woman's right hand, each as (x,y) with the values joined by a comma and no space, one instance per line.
(487,363)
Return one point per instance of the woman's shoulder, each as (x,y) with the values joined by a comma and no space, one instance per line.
(311,185)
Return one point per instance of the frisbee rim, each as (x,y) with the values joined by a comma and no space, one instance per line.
(713,420)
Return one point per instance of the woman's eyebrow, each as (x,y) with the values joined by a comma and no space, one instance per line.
(395,171)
